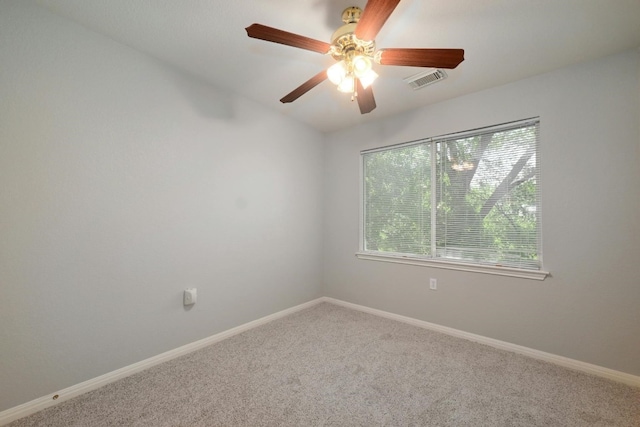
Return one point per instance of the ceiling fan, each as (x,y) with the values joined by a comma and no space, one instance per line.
(353,46)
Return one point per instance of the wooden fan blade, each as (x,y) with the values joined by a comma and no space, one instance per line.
(373,17)
(270,34)
(366,101)
(305,87)
(436,58)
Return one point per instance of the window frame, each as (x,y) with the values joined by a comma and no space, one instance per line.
(426,261)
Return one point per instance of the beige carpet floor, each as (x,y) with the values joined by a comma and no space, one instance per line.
(333,366)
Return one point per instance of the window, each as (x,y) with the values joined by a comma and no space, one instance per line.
(466,201)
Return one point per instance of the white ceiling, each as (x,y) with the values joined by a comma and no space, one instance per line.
(504,41)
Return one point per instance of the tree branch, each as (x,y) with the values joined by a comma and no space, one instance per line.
(504,186)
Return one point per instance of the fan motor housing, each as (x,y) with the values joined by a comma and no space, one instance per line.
(345,43)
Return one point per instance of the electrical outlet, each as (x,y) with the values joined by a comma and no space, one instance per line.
(433,284)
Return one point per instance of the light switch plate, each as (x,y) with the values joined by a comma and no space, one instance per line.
(190,296)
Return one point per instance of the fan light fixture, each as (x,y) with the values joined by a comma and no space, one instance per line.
(348,84)
(354,56)
(344,73)
(337,72)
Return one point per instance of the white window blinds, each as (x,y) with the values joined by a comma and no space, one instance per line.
(470,197)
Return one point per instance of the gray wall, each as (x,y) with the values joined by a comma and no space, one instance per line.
(124,182)
(590,145)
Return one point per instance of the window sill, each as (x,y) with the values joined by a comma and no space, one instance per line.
(450,265)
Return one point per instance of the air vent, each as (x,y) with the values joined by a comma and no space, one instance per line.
(426,78)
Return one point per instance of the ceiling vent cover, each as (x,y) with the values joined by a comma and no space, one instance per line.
(426,78)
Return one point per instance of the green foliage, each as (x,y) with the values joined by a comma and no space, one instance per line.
(397,185)
(485,192)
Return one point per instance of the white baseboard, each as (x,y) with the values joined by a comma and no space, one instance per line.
(41,403)
(36,405)
(577,365)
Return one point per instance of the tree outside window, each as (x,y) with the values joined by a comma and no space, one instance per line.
(469,197)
